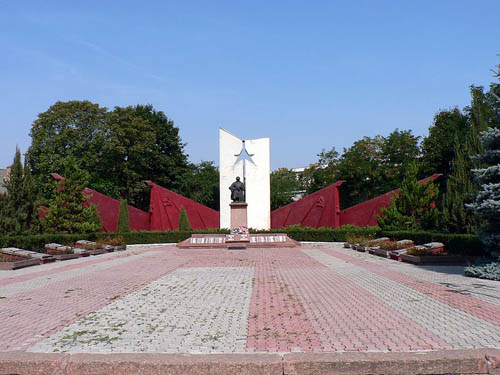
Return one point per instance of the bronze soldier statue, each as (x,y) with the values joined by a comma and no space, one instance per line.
(237,191)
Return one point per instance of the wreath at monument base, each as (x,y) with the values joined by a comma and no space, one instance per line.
(239,230)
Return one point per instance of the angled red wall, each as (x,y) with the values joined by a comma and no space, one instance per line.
(365,214)
(165,207)
(320,209)
(109,209)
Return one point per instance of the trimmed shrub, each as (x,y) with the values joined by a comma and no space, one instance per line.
(463,244)
(123,218)
(37,242)
(184,224)
(169,236)
(325,234)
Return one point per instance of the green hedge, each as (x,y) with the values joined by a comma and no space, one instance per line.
(325,234)
(37,241)
(146,237)
(465,244)
(459,244)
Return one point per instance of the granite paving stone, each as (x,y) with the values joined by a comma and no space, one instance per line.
(317,298)
(190,310)
(450,276)
(457,328)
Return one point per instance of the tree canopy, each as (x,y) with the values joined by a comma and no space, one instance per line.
(370,167)
(448,129)
(201,183)
(285,186)
(119,148)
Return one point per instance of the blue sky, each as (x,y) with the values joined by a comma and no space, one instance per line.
(308,74)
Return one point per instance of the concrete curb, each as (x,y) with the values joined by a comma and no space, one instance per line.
(144,364)
(476,361)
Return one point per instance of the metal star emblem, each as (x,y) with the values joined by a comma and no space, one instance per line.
(244,155)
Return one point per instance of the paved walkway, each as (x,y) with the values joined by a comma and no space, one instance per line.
(317,298)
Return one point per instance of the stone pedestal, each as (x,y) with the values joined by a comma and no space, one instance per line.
(238,215)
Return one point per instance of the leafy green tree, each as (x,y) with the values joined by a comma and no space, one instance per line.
(66,130)
(168,162)
(370,167)
(413,208)
(201,183)
(486,205)
(360,166)
(69,211)
(484,109)
(18,208)
(184,220)
(123,218)
(119,148)
(449,128)
(126,154)
(285,185)
(320,174)
(398,149)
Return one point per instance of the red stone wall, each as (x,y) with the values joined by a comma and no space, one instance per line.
(320,209)
(365,214)
(165,207)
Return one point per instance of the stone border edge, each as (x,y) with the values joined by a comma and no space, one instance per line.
(146,245)
(470,361)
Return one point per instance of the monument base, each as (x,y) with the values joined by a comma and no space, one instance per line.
(238,215)
(232,241)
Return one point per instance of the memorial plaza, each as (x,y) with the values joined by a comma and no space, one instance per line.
(316,298)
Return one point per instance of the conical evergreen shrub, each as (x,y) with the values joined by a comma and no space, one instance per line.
(123,218)
(184,220)
(413,208)
(460,188)
(69,211)
(18,213)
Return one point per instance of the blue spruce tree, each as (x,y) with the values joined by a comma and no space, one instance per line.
(486,205)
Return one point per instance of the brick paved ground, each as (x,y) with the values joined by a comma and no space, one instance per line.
(317,298)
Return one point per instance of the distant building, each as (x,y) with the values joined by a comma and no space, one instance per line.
(299,194)
(4,177)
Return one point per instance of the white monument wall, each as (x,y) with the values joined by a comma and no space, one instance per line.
(258,191)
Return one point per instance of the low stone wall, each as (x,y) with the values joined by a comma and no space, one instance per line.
(480,361)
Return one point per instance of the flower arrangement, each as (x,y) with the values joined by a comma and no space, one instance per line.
(239,230)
